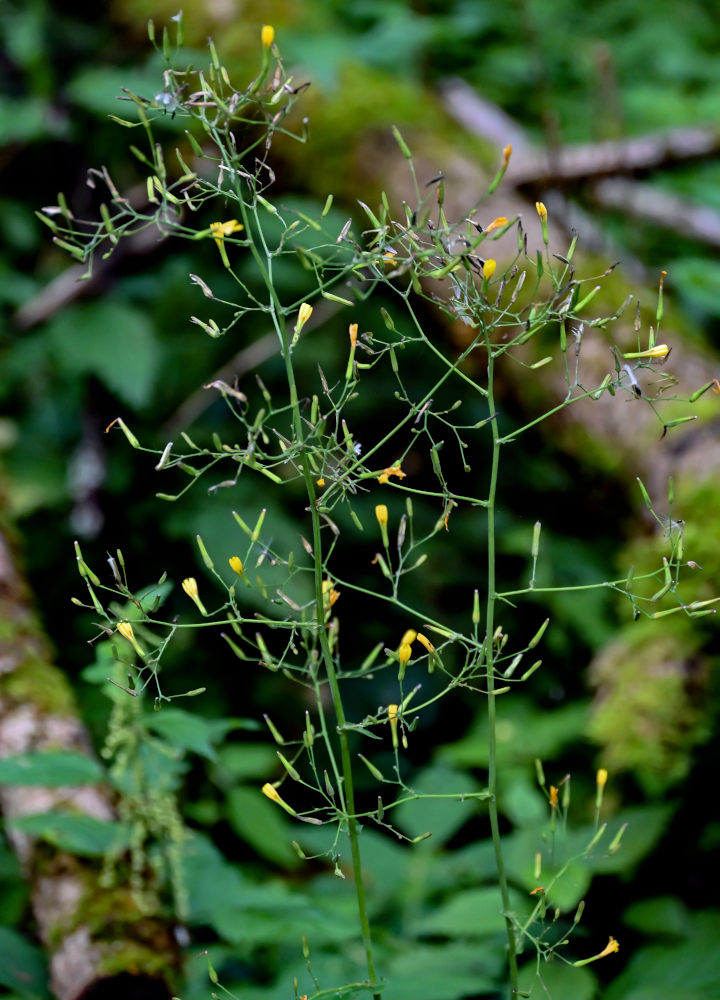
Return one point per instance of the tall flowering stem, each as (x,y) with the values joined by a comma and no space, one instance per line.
(490,665)
(342,770)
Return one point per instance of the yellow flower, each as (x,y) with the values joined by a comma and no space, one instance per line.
(304,314)
(392,711)
(393,470)
(267,35)
(236,565)
(489,268)
(409,637)
(541,211)
(659,351)
(321,482)
(602,777)
(189,585)
(353,334)
(610,948)
(496,224)
(126,631)
(271,792)
(220,230)
(553,797)
(381,513)
(423,639)
(507,153)
(404,654)
(330,595)
(389,255)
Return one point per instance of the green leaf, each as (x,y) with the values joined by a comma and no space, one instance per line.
(442,817)
(697,280)
(241,761)
(525,732)
(262,825)
(684,971)
(75,833)
(664,915)
(111,340)
(445,972)
(186,731)
(22,966)
(51,769)
(559,981)
(472,913)
(210,880)
(25,119)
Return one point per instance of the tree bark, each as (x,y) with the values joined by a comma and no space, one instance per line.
(98,941)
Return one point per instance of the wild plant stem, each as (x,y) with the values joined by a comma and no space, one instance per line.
(347,792)
(491,701)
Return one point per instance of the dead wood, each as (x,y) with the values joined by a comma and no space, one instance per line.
(38,713)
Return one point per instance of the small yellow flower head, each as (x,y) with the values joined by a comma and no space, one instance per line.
(381,513)
(489,268)
(126,631)
(602,777)
(404,654)
(393,470)
(496,224)
(330,595)
(390,256)
(553,797)
(657,351)
(267,35)
(189,585)
(610,948)
(542,212)
(423,640)
(236,565)
(271,792)
(409,636)
(321,482)
(220,230)
(392,711)
(507,153)
(304,314)
(353,334)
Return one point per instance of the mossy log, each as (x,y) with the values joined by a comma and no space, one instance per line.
(98,941)
(664,697)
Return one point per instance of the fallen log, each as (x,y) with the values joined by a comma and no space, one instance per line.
(100,943)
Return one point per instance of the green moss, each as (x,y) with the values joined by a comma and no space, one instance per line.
(342,141)
(40,684)
(648,715)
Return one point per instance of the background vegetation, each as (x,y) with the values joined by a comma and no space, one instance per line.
(125,347)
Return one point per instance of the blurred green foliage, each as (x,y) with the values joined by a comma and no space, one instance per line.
(126,347)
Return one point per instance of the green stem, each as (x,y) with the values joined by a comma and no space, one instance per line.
(491,701)
(347,792)
(346,763)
